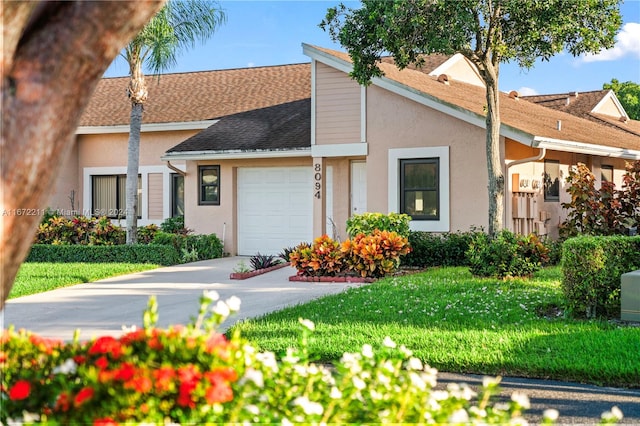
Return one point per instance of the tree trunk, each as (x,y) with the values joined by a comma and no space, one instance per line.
(133,163)
(137,91)
(54,54)
(494,165)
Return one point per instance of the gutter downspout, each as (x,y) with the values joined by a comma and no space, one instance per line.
(540,156)
(180,172)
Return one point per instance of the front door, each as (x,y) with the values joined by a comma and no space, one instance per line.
(358,187)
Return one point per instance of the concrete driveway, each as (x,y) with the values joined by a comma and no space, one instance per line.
(104,306)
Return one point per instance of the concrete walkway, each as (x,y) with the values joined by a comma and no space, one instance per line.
(103,307)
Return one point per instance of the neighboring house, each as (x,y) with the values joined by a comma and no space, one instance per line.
(307,155)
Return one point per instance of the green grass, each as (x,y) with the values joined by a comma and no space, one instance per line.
(458,323)
(34,277)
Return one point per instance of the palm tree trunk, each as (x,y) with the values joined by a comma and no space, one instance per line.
(133,165)
(138,94)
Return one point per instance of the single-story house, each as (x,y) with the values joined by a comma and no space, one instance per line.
(268,157)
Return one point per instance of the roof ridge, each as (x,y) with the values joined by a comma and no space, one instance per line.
(213,71)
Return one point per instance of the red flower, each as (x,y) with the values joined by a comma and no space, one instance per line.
(185,395)
(217,344)
(20,390)
(164,377)
(62,403)
(3,357)
(221,374)
(219,392)
(106,345)
(133,336)
(79,359)
(107,421)
(141,384)
(188,374)
(85,394)
(102,363)
(125,372)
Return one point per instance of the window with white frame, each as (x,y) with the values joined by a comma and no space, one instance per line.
(419,186)
(109,196)
(606,173)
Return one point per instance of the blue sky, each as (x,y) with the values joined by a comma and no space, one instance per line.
(268,32)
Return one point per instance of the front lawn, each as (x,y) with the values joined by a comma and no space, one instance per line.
(35,277)
(458,323)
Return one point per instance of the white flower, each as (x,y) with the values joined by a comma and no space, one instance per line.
(69,367)
(478,412)
(405,351)
(487,381)
(614,414)
(233,303)
(367,351)
(335,393)
(286,422)
(414,364)
(211,295)
(30,417)
(255,376)
(221,309)
(387,342)
(309,407)
(308,324)
(129,329)
(290,358)
(416,381)
(359,383)
(521,399)
(459,416)
(440,395)
(551,414)
(252,409)
(268,359)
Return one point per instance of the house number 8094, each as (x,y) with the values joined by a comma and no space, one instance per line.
(317,186)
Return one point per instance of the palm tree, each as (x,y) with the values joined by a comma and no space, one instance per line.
(177,26)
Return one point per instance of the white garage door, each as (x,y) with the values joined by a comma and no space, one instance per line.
(274,208)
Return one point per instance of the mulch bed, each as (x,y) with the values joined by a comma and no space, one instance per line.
(245,275)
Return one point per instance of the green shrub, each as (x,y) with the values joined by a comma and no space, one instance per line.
(366,223)
(432,249)
(207,246)
(147,233)
(174,225)
(591,269)
(177,241)
(138,253)
(507,255)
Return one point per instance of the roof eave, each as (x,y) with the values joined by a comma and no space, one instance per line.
(585,148)
(146,127)
(236,154)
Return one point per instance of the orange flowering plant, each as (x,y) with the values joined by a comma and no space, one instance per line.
(372,255)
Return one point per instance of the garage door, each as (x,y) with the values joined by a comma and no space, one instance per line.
(274,208)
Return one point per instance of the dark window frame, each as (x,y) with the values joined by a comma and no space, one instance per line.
(436,188)
(603,167)
(551,188)
(174,189)
(118,208)
(202,186)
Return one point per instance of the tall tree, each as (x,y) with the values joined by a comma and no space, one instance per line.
(177,27)
(53,55)
(628,93)
(487,32)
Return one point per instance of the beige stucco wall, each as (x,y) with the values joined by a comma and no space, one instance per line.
(67,185)
(221,219)
(609,108)
(396,122)
(337,106)
(463,70)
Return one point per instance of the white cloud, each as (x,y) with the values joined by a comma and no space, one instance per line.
(526,91)
(251,65)
(627,43)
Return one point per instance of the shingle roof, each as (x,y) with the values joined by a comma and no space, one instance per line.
(283,126)
(196,96)
(581,105)
(431,62)
(527,117)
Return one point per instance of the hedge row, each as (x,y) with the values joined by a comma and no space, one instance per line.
(592,268)
(138,253)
